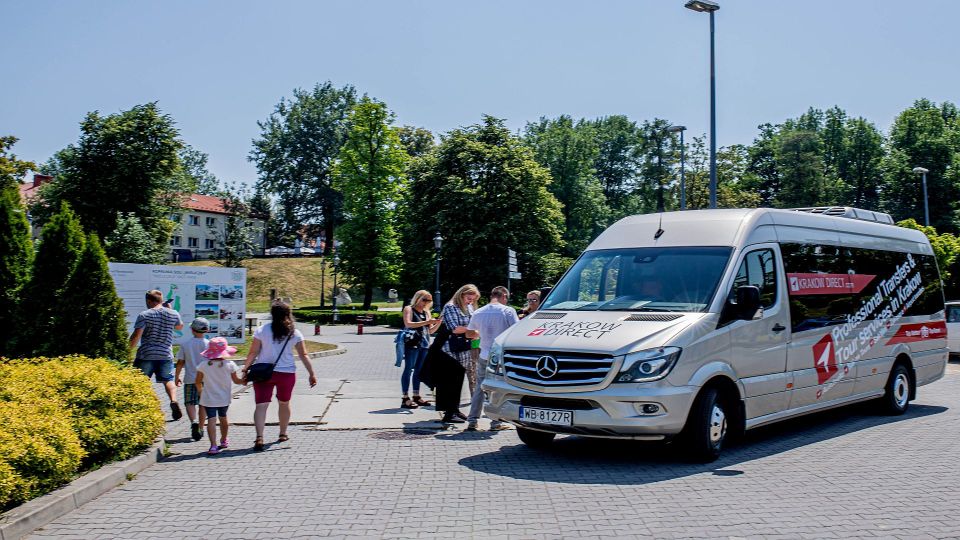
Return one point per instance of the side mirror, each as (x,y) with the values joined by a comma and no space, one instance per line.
(748,303)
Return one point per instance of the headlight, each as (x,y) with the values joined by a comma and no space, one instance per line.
(495,364)
(648,365)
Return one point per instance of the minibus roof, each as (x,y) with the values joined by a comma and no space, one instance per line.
(746,226)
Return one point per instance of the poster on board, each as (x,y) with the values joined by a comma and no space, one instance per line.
(217,294)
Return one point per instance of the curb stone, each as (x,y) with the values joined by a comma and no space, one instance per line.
(331,352)
(34,514)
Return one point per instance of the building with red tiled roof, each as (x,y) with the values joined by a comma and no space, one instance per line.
(200,228)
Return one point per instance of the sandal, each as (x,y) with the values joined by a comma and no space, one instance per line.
(283,438)
(258,445)
(421,402)
(408,403)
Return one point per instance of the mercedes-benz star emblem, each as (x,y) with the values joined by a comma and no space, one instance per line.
(547,367)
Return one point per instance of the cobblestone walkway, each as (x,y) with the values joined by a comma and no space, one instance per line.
(841,474)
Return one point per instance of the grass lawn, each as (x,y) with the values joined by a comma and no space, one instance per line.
(244,348)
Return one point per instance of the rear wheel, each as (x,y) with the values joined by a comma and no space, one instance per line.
(707,427)
(535,439)
(896,399)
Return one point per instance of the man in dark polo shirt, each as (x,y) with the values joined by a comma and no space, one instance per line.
(154,332)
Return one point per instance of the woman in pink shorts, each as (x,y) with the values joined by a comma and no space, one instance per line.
(274,343)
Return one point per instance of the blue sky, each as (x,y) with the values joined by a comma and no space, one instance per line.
(219,67)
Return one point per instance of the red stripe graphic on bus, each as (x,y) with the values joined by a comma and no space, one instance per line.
(919,331)
(825,358)
(827,283)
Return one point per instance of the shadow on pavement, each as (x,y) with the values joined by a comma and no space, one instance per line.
(582,460)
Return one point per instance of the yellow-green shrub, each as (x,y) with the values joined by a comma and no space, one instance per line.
(112,409)
(38,450)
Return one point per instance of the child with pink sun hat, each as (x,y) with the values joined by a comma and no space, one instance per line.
(215,376)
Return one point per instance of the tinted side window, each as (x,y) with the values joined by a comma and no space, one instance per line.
(760,270)
(812,270)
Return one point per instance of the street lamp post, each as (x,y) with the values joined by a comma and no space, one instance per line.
(336,266)
(707,6)
(437,244)
(683,184)
(926,211)
(323,271)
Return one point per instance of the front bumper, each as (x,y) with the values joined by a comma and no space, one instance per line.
(612,412)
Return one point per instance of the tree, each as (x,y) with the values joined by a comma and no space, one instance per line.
(864,154)
(370,175)
(922,137)
(656,161)
(946,247)
(295,154)
(417,141)
(239,235)
(89,318)
(194,174)
(130,242)
(124,163)
(16,248)
(617,162)
(569,151)
(800,167)
(483,190)
(61,244)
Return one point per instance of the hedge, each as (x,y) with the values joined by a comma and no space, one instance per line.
(90,411)
(390,318)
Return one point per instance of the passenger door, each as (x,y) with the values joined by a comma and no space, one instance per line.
(759,347)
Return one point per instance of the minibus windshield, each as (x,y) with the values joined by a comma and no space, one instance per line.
(641,279)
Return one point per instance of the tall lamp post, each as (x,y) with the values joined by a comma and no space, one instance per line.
(926,210)
(323,271)
(683,184)
(707,6)
(437,244)
(336,266)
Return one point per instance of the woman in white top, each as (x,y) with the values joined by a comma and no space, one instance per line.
(274,343)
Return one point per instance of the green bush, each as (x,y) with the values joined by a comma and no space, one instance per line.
(38,450)
(389,318)
(107,411)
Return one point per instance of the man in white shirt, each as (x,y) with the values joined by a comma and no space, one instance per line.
(491,320)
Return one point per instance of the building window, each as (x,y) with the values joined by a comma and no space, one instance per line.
(174,240)
(175,218)
(193,242)
(211,221)
(194,220)
(208,244)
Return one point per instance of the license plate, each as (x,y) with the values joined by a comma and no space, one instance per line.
(546,416)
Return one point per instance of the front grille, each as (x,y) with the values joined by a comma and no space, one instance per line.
(572,369)
(548,315)
(556,403)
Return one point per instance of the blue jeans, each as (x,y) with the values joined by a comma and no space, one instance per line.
(412,362)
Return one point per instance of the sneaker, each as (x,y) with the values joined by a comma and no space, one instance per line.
(499,426)
(175,409)
(195,432)
(214,449)
(451,419)
(224,444)
(471,426)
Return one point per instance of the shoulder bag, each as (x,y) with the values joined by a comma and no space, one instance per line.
(262,371)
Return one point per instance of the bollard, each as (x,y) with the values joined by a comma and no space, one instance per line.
(359,326)
(316,329)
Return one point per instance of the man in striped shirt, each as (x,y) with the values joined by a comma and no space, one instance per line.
(154,332)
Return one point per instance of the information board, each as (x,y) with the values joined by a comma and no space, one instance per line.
(216,294)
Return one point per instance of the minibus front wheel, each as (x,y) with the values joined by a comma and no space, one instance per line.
(534,438)
(707,426)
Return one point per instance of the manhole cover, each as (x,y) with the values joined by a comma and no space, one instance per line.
(406,435)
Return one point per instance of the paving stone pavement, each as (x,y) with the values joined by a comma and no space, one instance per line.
(840,474)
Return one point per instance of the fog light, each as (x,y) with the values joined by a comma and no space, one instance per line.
(651,408)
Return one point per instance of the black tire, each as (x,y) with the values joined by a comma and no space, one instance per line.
(896,398)
(707,427)
(535,439)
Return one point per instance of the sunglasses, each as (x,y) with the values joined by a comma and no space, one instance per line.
(426,299)
(532,300)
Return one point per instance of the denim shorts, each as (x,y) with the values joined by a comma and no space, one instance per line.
(213,412)
(162,370)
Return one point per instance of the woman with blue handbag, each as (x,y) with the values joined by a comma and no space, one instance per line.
(418,325)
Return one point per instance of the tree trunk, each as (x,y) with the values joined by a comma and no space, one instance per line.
(367,296)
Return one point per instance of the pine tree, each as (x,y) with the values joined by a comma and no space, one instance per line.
(61,244)
(16,253)
(89,318)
